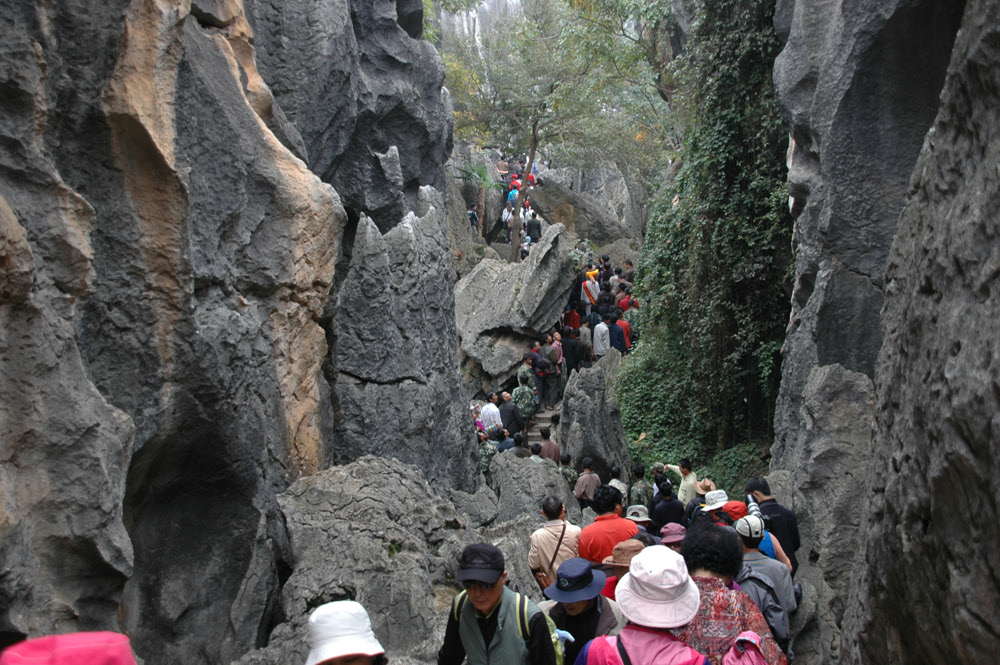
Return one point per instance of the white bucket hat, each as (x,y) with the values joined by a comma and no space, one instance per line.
(716,499)
(658,592)
(341,628)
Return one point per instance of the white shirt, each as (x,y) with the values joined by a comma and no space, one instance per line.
(489,415)
(602,340)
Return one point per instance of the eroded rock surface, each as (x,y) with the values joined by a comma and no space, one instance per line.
(582,214)
(629,200)
(522,483)
(590,422)
(859,87)
(501,308)
(925,588)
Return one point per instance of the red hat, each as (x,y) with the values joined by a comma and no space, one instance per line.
(735,509)
(94,648)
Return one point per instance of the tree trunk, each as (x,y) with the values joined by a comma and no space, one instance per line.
(515,226)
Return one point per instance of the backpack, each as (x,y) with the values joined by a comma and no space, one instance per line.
(523,627)
(745,650)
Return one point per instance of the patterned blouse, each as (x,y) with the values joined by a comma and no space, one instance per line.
(724,614)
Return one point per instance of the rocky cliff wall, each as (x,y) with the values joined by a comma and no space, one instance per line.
(187,301)
(859,84)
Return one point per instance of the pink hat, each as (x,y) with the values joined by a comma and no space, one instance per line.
(96,648)
(658,592)
(672,533)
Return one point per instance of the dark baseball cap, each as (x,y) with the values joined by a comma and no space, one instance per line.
(482,562)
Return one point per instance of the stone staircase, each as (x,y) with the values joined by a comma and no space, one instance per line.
(542,419)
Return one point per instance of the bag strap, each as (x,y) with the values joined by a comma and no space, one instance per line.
(621,651)
(555,553)
(522,616)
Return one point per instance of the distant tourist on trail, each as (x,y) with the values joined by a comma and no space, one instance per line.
(640,515)
(554,542)
(550,449)
(586,484)
(536,452)
(642,489)
(617,564)
(686,492)
(510,415)
(602,338)
(489,415)
(577,606)
(784,525)
(759,583)
(534,227)
(474,217)
(669,509)
(751,533)
(520,448)
(617,482)
(616,335)
(608,529)
(483,622)
(340,633)
(672,536)
(568,472)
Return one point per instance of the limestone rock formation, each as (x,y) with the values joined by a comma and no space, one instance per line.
(466,246)
(393,364)
(501,308)
(590,422)
(375,532)
(925,589)
(365,94)
(170,276)
(522,483)
(859,87)
(582,214)
(627,199)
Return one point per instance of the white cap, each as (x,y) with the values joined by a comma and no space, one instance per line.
(341,628)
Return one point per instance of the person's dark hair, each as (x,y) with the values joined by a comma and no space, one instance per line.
(490,395)
(526,356)
(644,537)
(752,543)
(714,548)
(587,463)
(565,459)
(666,488)
(606,258)
(541,340)
(518,439)
(536,449)
(606,498)
(685,463)
(575,333)
(545,432)
(627,262)
(552,507)
(639,471)
(380,659)
(618,312)
(614,318)
(618,271)
(616,472)
(757,485)
(606,317)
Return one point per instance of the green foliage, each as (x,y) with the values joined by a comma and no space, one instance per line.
(478,175)
(714,271)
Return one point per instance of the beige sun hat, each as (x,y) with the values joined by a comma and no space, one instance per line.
(657,592)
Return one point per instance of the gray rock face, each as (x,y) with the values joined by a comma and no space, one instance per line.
(582,214)
(859,105)
(925,588)
(522,483)
(466,246)
(501,308)
(166,262)
(629,201)
(831,454)
(365,94)
(394,365)
(590,423)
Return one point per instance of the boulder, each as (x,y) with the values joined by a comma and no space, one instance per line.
(393,354)
(501,308)
(626,198)
(859,106)
(373,531)
(831,453)
(924,588)
(582,214)
(365,93)
(590,423)
(522,483)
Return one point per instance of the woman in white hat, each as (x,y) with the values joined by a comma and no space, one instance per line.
(655,596)
(340,633)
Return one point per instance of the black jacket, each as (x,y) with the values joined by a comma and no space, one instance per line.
(510,415)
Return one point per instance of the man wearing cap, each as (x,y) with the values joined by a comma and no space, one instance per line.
(751,532)
(686,492)
(578,607)
(640,515)
(483,623)
(656,595)
(597,540)
(556,541)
